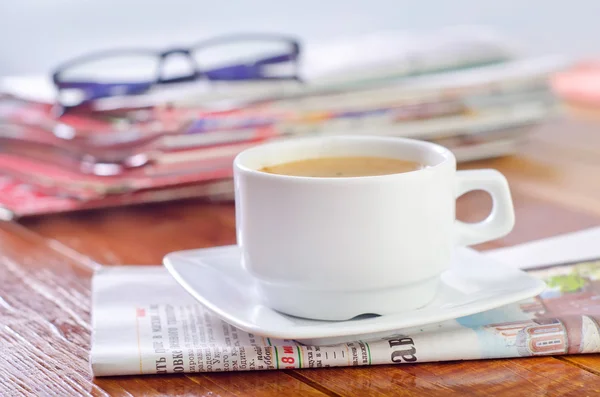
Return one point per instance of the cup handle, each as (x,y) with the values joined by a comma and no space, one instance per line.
(501,219)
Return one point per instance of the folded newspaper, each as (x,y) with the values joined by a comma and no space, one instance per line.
(144,323)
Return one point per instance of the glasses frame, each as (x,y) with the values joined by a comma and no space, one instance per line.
(253,71)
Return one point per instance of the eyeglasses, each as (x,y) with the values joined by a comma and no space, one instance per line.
(249,57)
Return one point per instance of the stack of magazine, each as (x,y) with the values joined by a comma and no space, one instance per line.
(477,97)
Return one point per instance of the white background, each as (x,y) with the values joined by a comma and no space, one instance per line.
(35,35)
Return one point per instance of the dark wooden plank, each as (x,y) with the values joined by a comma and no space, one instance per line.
(516,377)
(44,318)
(221,384)
(141,234)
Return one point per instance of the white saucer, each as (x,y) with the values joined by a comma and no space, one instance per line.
(473,284)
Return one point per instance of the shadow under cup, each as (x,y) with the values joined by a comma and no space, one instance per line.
(337,248)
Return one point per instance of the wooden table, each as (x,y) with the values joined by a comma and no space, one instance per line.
(47,262)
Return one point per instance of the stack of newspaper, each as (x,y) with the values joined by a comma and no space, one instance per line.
(145,323)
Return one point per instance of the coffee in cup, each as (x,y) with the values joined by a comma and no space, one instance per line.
(343,167)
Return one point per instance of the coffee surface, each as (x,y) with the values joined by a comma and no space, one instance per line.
(343,167)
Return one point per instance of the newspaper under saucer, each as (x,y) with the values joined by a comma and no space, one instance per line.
(215,278)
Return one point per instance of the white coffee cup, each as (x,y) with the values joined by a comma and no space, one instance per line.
(336,248)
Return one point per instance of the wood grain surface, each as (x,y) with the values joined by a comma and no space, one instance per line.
(46,265)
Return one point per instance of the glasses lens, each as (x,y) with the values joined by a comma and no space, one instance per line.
(224,54)
(115,68)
